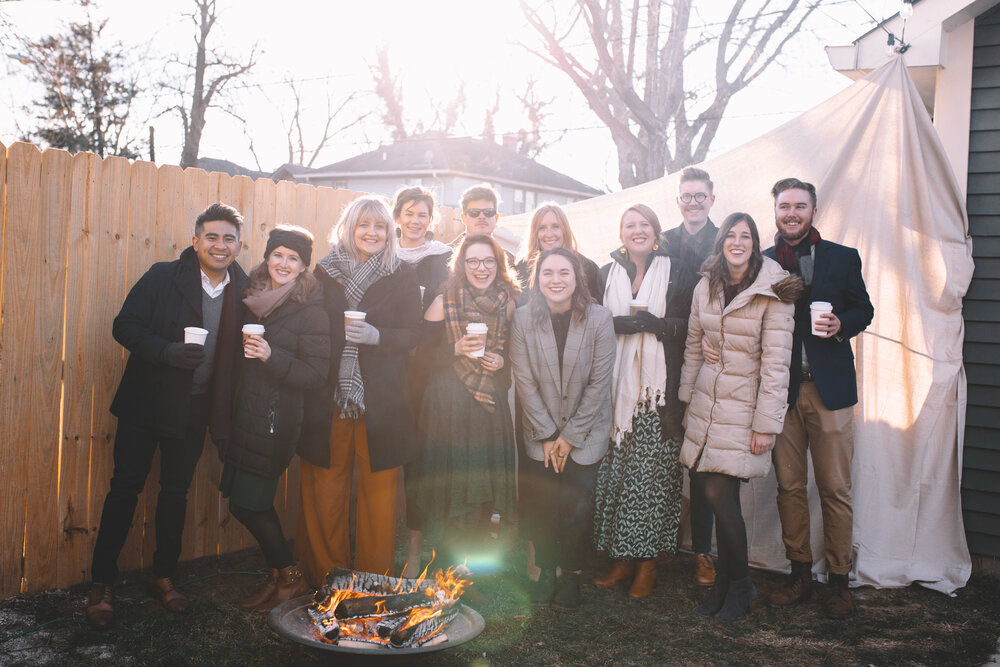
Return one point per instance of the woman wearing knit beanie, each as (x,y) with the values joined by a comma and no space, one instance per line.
(291,357)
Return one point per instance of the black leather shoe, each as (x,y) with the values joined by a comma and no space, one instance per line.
(543,589)
(567,597)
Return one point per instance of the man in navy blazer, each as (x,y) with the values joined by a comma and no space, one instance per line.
(822,390)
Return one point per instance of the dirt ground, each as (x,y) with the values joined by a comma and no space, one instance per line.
(911,626)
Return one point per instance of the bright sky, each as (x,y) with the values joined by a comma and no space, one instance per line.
(435,44)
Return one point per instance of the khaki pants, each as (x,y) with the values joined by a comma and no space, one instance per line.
(828,435)
(322,538)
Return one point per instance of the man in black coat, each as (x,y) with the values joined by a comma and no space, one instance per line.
(170,392)
(821,394)
(688,245)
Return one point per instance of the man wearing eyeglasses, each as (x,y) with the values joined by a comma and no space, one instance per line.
(688,245)
(479,215)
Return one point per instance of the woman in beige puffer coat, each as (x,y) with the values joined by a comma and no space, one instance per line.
(743,309)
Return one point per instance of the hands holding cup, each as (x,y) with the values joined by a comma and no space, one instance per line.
(254,345)
(824,322)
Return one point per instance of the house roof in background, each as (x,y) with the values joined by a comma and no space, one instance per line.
(434,152)
(225,166)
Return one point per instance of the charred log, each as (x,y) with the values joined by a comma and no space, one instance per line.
(381,605)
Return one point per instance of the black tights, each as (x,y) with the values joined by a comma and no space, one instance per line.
(266,529)
(723,494)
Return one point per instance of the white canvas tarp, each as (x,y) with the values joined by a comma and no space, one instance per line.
(886,188)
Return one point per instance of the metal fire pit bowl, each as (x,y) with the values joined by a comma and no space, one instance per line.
(291,621)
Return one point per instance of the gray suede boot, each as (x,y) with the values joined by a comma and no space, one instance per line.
(741,593)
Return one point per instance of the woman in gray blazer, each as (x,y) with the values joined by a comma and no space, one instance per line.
(562,354)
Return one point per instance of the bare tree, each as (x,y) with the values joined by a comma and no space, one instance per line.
(390,92)
(208,76)
(489,120)
(298,153)
(530,142)
(630,59)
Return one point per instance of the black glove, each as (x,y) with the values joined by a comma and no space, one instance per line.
(627,324)
(183,355)
(651,323)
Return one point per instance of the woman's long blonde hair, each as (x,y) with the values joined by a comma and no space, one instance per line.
(569,241)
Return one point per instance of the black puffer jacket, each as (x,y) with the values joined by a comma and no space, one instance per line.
(268,407)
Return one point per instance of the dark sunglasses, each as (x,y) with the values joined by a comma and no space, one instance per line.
(476,212)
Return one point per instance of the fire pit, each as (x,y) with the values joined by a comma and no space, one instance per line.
(357,612)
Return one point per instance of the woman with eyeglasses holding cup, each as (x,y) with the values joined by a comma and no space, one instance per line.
(466,469)
(413,210)
(278,367)
(562,356)
(373,304)
(638,500)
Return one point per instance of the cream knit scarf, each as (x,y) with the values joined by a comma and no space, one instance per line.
(640,365)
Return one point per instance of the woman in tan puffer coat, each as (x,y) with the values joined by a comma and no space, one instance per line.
(743,310)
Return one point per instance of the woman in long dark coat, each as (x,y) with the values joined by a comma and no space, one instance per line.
(361,415)
(278,367)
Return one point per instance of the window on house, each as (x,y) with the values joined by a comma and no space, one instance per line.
(415,181)
(530,201)
(518,201)
(339,185)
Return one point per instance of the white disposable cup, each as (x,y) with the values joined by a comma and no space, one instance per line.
(817,308)
(636,306)
(251,330)
(353,316)
(477,329)
(195,335)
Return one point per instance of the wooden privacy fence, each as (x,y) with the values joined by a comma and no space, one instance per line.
(77,232)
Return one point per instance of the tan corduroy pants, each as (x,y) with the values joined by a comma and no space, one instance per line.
(828,436)
(322,536)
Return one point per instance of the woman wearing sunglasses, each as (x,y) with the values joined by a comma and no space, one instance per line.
(465,472)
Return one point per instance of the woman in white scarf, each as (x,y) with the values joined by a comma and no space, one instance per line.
(638,497)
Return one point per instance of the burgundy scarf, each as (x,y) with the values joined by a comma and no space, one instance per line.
(786,254)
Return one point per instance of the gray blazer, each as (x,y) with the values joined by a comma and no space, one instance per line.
(577,405)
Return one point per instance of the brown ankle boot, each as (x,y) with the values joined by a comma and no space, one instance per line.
(645,580)
(797,588)
(266,591)
(619,572)
(291,584)
(839,603)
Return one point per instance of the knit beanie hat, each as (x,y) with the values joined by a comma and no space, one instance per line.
(294,238)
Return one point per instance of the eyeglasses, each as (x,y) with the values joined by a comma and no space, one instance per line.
(698,197)
(476,212)
(474,263)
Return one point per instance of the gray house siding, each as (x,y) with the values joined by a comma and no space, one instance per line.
(981,463)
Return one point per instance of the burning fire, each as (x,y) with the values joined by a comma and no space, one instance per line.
(379,610)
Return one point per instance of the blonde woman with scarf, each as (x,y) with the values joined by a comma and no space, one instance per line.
(466,468)
(361,416)
(273,374)
(638,498)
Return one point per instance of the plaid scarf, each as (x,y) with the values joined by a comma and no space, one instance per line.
(356,279)
(797,259)
(462,306)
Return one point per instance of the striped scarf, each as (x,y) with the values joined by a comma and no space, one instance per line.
(356,279)
(462,306)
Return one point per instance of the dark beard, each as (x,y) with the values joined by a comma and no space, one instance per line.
(804,232)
